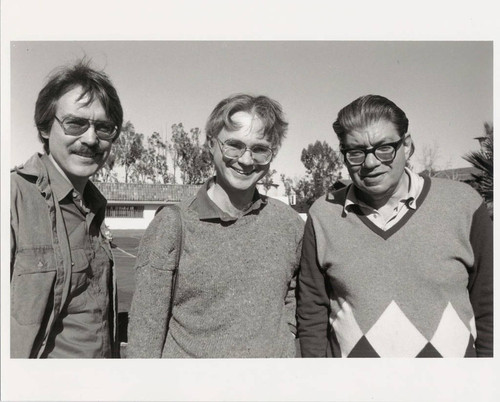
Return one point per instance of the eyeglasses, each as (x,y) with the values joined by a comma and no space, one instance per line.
(383,152)
(234,149)
(76,126)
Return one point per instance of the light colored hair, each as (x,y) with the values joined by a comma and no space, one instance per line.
(266,109)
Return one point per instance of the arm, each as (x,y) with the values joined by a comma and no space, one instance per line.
(154,272)
(312,301)
(481,280)
(291,299)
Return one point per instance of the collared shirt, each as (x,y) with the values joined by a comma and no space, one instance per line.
(208,210)
(409,201)
(82,328)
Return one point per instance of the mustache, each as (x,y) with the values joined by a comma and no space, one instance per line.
(83,150)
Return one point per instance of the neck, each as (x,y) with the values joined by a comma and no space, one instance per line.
(234,203)
(78,183)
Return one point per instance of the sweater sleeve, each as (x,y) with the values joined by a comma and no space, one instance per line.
(153,286)
(481,280)
(312,301)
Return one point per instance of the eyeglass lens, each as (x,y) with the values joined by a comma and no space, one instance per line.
(78,126)
(384,153)
(236,149)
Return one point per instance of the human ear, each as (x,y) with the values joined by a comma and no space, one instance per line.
(409,147)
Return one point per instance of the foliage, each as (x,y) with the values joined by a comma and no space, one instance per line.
(305,193)
(267,181)
(193,160)
(129,150)
(428,159)
(106,173)
(323,166)
(287,184)
(153,164)
(483,160)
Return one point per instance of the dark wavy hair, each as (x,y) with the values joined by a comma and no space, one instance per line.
(96,85)
(268,110)
(367,110)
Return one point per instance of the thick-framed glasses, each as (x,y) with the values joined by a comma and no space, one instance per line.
(76,126)
(234,149)
(385,153)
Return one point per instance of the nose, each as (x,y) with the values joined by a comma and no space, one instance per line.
(246,158)
(89,137)
(371,161)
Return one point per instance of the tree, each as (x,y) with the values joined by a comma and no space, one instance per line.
(267,181)
(287,184)
(483,160)
(129,150)
(305,193)
(193,160)
(323,166)
(106,173)
(155,158)
(429,158)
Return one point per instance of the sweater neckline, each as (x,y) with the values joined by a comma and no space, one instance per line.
(385,234)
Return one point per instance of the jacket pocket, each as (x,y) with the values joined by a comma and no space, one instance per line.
(31,285)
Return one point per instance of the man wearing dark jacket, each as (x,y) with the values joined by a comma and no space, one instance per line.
(63,287)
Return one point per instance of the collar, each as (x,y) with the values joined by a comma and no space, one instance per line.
(410,199)
(208,210)
(61,186)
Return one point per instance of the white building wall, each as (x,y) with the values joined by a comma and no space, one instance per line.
(133,223)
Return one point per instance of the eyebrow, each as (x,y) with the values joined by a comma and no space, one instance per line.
(64,116)
(373,146)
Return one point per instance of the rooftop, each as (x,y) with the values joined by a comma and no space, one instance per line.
(142,192)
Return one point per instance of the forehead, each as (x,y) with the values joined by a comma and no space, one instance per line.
(374,133)
(250,128)
(72,101)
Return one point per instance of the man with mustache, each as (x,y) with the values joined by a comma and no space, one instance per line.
(63,293)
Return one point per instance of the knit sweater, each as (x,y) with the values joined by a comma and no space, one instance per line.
(235,293)
(423,288)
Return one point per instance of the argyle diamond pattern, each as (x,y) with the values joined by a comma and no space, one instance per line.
(451,323)
(394,335)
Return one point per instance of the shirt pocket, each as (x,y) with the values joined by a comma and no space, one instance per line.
(80,276)
(31,285)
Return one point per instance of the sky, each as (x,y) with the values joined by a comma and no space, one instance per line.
(445,88)
(172,61)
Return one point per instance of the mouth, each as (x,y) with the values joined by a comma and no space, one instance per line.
(373,176)
(88,154)
(243,172)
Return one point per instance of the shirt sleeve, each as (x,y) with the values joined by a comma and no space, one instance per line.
(312,300)
(155,264)
(481,280)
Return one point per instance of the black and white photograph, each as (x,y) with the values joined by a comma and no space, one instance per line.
(302,213)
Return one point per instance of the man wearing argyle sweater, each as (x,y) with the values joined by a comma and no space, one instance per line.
(394,265)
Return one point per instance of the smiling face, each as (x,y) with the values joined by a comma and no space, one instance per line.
(78,156)
(242,174)
(377,181)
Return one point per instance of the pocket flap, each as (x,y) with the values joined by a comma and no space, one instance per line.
(34,261)
(80,261)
